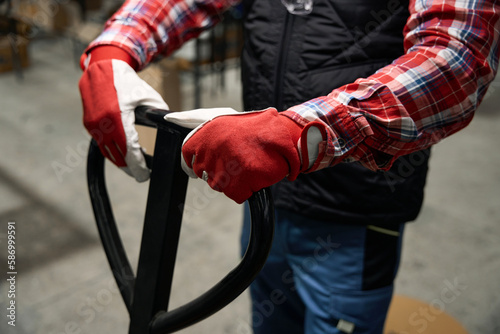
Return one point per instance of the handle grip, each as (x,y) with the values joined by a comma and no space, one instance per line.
(148,307)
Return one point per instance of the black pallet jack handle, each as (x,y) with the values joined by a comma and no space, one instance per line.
(146,294)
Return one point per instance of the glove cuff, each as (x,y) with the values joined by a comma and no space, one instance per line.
(307,140)
(294,159)
(311,137)
(104,52)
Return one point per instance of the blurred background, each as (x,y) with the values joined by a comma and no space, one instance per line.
(451,254)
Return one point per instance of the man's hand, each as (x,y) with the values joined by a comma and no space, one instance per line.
(110,91)
(242,153)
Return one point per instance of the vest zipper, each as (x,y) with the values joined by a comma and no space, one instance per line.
(281,62)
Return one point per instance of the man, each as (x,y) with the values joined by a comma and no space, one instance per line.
(350,97)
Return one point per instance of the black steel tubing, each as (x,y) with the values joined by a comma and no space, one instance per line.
(162,224)
(151,287)
(106,225)
(236,281)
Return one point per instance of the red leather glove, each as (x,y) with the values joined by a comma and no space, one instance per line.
(111,90)
(241,154)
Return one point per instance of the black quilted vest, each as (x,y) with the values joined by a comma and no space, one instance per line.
(288,59)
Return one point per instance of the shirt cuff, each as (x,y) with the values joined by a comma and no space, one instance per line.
(343,130)
(121,37)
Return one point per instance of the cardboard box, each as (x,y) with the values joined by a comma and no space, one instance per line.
(49,15)
(13,48)
(16,26)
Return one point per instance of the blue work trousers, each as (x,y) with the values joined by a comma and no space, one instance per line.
(324,277)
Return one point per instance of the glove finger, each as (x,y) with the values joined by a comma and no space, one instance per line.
(127,171)
(220,183)
(193,118)
(239,196)
(112,151)
(136,163)
(187,168)
(153,100)
(132,91)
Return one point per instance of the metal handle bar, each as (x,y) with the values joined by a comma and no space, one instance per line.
(146,295)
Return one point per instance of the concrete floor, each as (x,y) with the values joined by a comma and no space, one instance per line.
(64,284)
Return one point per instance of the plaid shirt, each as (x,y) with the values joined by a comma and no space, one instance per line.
(432,91)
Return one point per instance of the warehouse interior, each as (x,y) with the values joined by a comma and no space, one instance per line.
(451,253)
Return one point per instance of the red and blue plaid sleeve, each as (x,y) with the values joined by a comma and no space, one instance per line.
(147,29)
(432,91)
